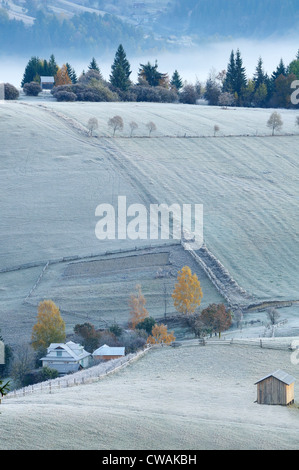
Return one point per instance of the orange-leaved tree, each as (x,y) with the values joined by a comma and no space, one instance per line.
(49,328)
(62,77)
(187,292)
(160,335)
(138,312)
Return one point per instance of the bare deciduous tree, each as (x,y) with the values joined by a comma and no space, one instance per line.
(151,127)
(116,123)
(92,125)
(23,362)
(133,126)
(216,129)
(226,99)
(275,122)
(273,317)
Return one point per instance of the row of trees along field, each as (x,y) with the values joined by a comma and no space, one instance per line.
(229,87)
(23,364)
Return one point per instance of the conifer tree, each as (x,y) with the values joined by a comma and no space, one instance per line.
(229,82)
(240,76)
(71,73)
(151,76)
(176,80)
(93,65)
(120,70)
(259,76)
(52,66)
(281,70)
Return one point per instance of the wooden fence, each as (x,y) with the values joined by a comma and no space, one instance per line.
(86,376)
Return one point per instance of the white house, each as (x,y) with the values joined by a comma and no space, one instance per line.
(66,358)
(106,353)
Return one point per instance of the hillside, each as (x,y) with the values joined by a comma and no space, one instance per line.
(97,27)
(231,18)
(54,176)
(183,398)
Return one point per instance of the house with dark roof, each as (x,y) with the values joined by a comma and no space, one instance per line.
(276,388)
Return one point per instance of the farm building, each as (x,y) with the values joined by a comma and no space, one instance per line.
(276,389)
(106,353)
(47,83)
(66,358)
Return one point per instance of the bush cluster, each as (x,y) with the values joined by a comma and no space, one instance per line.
(94,90)
(11,92)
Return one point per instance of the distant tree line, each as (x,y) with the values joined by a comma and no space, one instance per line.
(230,87)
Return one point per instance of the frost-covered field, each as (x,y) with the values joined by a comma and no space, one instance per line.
(53,177)
(184,398)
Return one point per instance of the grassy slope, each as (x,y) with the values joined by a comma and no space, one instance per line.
(185,398)
(53,177)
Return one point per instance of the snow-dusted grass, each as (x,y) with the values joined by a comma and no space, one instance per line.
(182,399)
(178,120)
(53,177)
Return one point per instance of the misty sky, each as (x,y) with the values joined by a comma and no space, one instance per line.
(192,65)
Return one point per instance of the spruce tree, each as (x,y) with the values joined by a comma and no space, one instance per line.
(281,70)
(176,80)
(52,66)
(120,70)
(240,76)
(259,76)
(33,69)
(71,73)
(93,65)
(229,82)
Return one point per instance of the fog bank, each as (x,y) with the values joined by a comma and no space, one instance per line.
(192,63)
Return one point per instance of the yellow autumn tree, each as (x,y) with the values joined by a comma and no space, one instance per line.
(138,312)
(50,327)
(62,77)
(187,292)
(160,335)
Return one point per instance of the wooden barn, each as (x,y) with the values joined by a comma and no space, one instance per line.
(276,389)
(47,83)
(106,353)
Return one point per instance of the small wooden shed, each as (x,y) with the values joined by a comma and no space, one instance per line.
(47,83)
(276,389)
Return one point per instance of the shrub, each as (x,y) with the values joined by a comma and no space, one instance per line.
(188,95)
(32,89)
(65,96)
(95,91)
(10,91)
